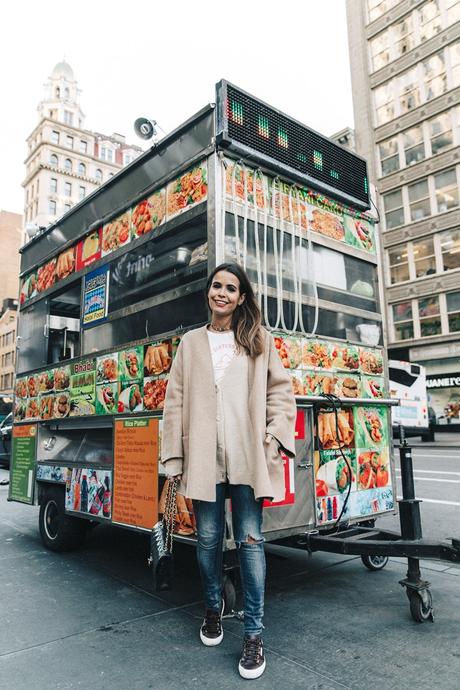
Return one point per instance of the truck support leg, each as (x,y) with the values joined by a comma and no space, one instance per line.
(417,590)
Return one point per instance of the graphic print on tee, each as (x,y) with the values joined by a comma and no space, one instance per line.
(222,351)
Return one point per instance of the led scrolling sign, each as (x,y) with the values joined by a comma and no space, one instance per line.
(251,127)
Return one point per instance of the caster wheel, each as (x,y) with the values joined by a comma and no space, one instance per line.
(374,562)
(228,596)
(421,606)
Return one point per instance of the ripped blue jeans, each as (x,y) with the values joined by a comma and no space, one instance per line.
(247,525)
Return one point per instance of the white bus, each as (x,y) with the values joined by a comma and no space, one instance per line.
(408,384)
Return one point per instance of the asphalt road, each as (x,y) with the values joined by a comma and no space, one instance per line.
(437,484)
(92,617)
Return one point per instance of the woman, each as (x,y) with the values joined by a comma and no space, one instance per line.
(229,410)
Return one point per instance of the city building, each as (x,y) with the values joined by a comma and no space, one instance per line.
(10,239)
(405,67)
(65,161)
(7,345)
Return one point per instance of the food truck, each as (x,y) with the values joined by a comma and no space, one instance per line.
(109,289)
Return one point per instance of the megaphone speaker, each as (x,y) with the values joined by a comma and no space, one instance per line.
(145,128)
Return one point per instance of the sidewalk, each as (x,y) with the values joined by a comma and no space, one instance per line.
(443,439)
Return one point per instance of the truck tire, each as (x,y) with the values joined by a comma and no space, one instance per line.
(58,531)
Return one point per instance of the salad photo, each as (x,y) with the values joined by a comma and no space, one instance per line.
(359,233)
(345,357)
(371,426)
(106,398)
(316,353)
(370,361)
(130,399)
(373,469)
(130,363)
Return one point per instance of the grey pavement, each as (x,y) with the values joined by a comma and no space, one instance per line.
(92,618)
(443,439)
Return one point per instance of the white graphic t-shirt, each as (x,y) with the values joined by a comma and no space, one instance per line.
(223,350)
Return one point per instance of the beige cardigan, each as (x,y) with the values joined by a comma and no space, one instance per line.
(189,440)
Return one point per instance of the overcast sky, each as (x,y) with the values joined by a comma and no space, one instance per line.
(162,60)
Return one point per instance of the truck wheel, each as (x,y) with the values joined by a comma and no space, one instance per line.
(58,531)
(374,562)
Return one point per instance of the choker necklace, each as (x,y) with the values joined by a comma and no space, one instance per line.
(220,330)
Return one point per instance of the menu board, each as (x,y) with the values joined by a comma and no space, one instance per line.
(300,206)
(319,367)
(135,490)
(352,455)
(181,194)
(23,463)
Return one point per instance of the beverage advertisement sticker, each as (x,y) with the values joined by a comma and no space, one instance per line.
(135,490)
(23,463)
(89,491)
(95,297)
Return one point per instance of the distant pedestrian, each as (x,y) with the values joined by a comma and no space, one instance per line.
(229,411)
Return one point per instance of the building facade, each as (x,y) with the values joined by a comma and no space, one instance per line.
(10,242)
(65,161)
(405,66)
(7,346)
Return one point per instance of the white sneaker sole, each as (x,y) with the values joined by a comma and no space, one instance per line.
(211,641)
(251,674)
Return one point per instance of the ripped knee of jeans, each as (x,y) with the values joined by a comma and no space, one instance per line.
(249,541)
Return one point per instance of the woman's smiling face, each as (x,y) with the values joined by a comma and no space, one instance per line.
(224,295)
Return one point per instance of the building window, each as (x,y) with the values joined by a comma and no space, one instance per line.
(419,200)
(452,11)
(54,137)
(58,92)
(67,189)
(434,73)
(429,20)
(53,185)
(440,129)
(403,36)
(81,169)
(380,50)
(67,207)
(414,149)
(394,211)
(424,259)
(450,248)
(455,63)
(109,155)
(68,117)
(69,141)
(68,165)
(389,157)
(83,146)
(54,160)
(128,158)
(81,192)
(399,264)
(52,207)
(99,175)
(378,7)
(67,92)
(446,190)
(102,153)
(430,319)
(409,91)
(403,320)
(384,103)
(453,311)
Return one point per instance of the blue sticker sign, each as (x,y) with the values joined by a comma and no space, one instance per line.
(96,296)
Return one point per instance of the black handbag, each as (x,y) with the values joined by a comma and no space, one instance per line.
(161,542)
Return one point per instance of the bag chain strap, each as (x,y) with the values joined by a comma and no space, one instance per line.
(170,513)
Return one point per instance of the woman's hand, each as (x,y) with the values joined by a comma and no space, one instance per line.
(268,438)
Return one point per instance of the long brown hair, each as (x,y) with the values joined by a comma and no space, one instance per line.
(246,319)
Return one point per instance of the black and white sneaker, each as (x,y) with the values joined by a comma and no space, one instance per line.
(252,662)
(211,632)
